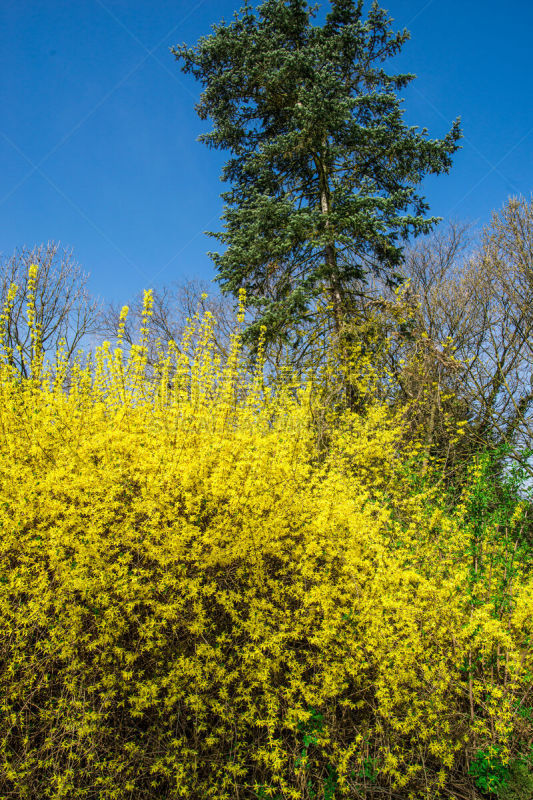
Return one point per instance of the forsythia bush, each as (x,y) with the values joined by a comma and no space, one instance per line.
(198,601)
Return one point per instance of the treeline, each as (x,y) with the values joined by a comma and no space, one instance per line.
(453,336)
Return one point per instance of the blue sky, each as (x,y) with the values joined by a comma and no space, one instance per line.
(98,131)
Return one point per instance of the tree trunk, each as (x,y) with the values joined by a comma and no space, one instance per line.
(329,252)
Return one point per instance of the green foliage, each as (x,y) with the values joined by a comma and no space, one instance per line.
(499,521)
(519,783)
(369,771)
(509,781)
(488,771)
(324,172)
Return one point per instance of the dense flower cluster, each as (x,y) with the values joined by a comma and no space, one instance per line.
(196,600)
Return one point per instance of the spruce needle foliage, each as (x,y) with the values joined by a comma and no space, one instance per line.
(324,172)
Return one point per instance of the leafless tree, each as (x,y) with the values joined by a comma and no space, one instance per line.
(173,308)
(470,335)
(64,309)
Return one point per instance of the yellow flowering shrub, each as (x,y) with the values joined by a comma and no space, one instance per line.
(197,601)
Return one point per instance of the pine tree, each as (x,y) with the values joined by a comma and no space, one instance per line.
(323,169)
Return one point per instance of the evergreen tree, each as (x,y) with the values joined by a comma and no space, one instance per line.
(323,169)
